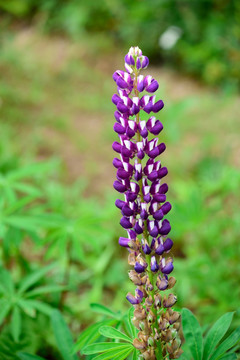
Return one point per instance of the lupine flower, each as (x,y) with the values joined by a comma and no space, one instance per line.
(140,179)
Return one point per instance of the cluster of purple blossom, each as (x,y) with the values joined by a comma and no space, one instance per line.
(139,178)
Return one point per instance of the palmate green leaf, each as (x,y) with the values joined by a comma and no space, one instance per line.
(113,333)
(101,309)
(63,336)
(5,307)
(227,344)
(229,357)
(114,354)
(23,222)
(135,354)
(45,290)
(105,346)
(30,170)
(33,278)
(16,323)
(91,334)
(128,321)
(124,354)
(27,356)
(216,333)
(19,204)
(27,189)
(193,334)
(33,305)
(6,283)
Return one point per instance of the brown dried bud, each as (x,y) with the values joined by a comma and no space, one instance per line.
(169,349)
(174,317)
(149,355)
(167,335)
(157,300)
(151,317)
(142,336)
(171,282)
(134,276)
(140,345)
(148,285)
(144,279)
(136,323)
(132,258)
(177,325)
(178,353)
(156,335)
(148,301)
(140,314)
(150,341)
(163,324)
(170,301)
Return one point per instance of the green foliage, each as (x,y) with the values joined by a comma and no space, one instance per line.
(115,349)
(19,299)
(212,347)
(63,336)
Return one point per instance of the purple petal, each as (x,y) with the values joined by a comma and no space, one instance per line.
(152,87)
(167,269)
(162,172)
(124,241)
(158,106)
(166,207)
(125,222)
(119,203)
(157,128)
(139,268)
(119,186)
(165,228)
(132,299)
(116,99)
(117,147)
(168,244)
(117,163)
(127,211)
(118,128)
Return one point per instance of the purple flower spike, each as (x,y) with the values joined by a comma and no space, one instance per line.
(144,205)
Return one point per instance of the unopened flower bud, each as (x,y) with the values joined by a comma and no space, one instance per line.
(171,282)
(140,314)
(170,301)
(134,276)
(167,335)
(140,345)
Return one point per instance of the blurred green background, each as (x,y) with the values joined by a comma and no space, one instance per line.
(57,202)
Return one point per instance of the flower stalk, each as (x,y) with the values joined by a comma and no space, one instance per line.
(139,178)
